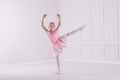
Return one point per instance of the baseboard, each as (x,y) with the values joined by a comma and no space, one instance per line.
(65,60)
(89,61)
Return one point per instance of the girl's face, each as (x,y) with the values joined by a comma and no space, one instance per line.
(52,26)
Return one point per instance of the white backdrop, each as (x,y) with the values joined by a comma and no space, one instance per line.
(21,37)
(100,40)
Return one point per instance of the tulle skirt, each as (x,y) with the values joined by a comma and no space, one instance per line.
(59,44)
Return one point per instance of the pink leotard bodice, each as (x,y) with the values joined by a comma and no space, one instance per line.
(53,37)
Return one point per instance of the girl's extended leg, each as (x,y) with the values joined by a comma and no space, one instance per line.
(58,64)
(74,31)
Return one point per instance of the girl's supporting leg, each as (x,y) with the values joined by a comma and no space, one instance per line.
(58,63)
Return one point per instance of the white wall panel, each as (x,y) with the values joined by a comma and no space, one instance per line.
(109,53)
(118,8)
(118,25)
(74,21)
(86,52)
(99,41)
(109,23)
(97,20)
(98,52)
(85,19)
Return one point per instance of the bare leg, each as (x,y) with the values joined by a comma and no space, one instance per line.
(58,64)
(74,31)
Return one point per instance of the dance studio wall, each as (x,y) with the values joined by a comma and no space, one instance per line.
(21,37)
(101,38)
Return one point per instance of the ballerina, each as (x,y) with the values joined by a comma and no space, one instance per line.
(58,42)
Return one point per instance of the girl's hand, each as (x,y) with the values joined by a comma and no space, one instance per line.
(58,15)
(44,15)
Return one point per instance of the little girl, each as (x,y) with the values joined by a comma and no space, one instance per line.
(58,42)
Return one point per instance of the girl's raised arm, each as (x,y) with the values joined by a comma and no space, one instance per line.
(42,24)
(59,22)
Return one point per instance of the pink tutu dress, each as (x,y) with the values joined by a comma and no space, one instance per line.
(59,42)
